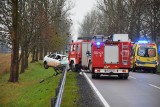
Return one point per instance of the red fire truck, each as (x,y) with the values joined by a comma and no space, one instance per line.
(77,54)
(110,57)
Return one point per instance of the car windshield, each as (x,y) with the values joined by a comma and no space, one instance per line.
(146,51)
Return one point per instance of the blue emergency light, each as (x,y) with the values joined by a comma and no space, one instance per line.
(98,43)
(142,41)
(158,49)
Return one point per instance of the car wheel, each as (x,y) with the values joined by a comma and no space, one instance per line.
(134,70)
(98,75)
(154,71)
(45,65)
(125,77)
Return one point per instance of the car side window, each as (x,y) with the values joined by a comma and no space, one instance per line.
(58,57)
(52,56)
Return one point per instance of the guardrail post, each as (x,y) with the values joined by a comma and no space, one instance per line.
(52,102)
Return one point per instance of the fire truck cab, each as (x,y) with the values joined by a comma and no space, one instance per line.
(77,54)
(110,57)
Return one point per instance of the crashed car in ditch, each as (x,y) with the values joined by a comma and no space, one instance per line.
(53,60)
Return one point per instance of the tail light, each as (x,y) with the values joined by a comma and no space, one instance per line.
(124,70)
(97,70)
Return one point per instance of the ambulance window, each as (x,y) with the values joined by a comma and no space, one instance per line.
(151,52)
(141,51)
(146,52)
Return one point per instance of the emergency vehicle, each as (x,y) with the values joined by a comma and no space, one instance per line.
(145,56)
(77,56)
(110,57)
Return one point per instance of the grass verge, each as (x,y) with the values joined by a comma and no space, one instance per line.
(29,92)
(5,60)
(70,95)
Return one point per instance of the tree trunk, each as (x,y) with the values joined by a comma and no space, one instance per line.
(41,53)
(36,57)
(45,52)
(26,55)
(33,56)
(22,61)
(14,68)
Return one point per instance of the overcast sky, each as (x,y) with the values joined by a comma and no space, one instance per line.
(78,12)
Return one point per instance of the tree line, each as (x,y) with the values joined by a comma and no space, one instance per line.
(123,16)
(33,27)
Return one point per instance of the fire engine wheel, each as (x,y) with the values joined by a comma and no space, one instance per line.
(77,67)
(123,76)
(95,76)
(90,67)
(72,66)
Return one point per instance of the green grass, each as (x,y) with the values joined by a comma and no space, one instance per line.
(70,95)
(29,92)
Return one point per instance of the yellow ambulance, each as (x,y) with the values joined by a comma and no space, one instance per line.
(145,56)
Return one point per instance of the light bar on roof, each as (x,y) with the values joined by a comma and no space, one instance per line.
(142,41)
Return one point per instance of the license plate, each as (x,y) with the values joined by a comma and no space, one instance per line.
(108,70)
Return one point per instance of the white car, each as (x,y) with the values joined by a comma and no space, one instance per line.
(53,60)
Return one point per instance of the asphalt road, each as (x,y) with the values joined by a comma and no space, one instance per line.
(140,90)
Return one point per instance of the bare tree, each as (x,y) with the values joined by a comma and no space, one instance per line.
(153,19)
(92,24)
(5,22)
(131,16)
(37,26)
(14,71)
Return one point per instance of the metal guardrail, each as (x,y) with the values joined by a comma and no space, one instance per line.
(56,102)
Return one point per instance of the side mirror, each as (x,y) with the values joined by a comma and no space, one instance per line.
(88,53)
(66,49)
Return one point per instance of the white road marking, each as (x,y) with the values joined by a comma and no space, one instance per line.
(154,86)
(132,77)
(97,92)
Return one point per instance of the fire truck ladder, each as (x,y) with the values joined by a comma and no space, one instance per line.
(125,53)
